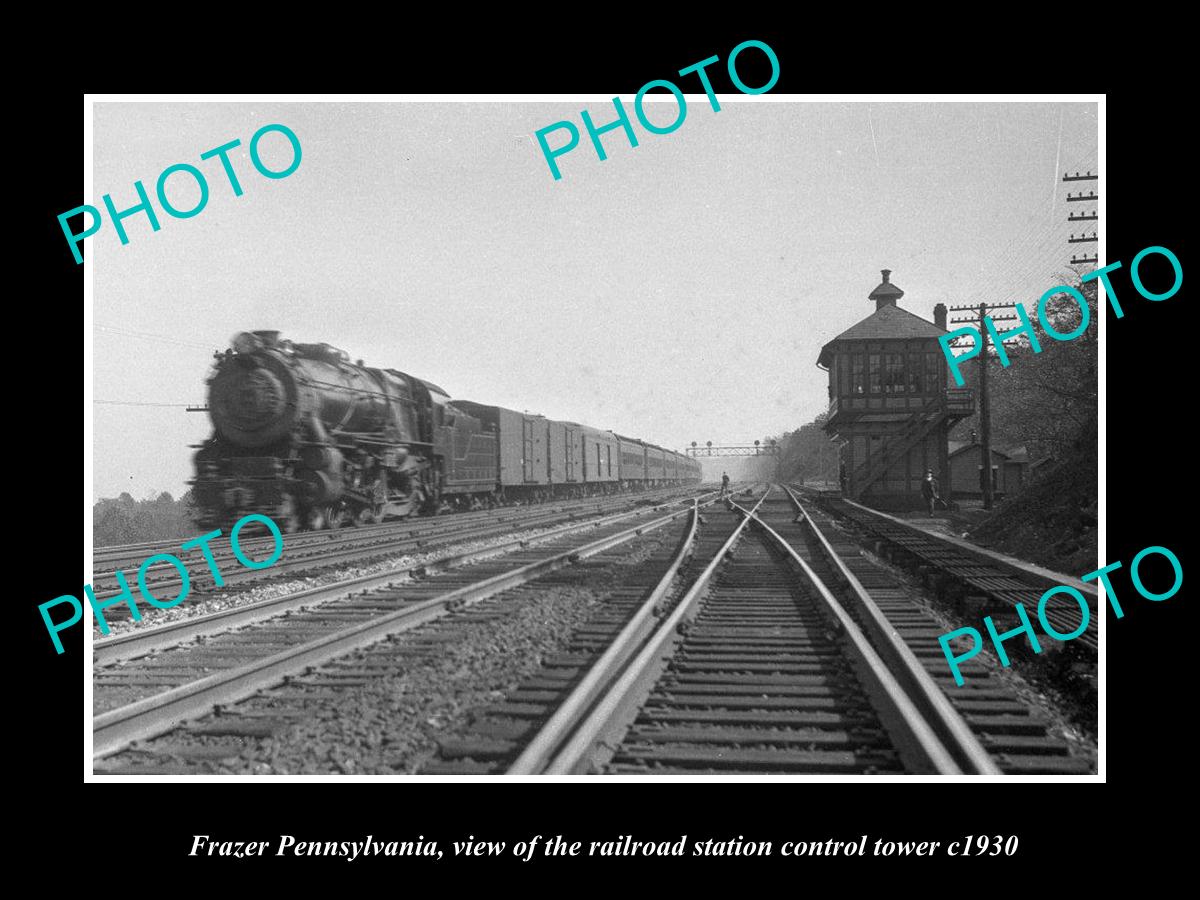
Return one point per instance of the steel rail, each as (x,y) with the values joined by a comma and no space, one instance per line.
(550,737)
(623,693)
(142,641)
(114,730)
(924,748)
(1004,582)
(1018,567)
(407,528)
(949,725)
(414,526)
(896,706)
(335,551)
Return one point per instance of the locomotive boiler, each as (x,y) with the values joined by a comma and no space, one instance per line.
(306,437)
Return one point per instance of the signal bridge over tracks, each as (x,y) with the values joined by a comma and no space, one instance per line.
(770,448)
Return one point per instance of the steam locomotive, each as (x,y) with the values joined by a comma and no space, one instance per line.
(314,441)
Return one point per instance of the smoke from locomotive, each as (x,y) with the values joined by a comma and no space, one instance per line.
(306,437)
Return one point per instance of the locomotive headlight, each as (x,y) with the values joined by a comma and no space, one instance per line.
(245,342)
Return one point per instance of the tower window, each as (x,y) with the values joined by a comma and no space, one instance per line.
(934,367)
(858,375)
(893,373)
(915,362)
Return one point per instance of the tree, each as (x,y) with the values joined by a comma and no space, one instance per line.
(159,517)
(1049,400)
(805,454)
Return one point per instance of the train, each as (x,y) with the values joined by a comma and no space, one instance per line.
(303,435)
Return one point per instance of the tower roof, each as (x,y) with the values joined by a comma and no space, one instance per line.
(889,322)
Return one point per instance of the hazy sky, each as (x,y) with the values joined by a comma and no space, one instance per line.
(678,291)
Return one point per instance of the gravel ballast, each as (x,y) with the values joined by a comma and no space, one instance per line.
(422,684)
(241,595)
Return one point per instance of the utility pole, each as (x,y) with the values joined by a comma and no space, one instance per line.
(985,409)
(1083,237)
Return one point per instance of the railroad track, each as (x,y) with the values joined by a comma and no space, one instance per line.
(971,583)
(790,652)
(524,722)
(147,695)
(308,551)
(755,668)
(131,555)
(1015,733)
(753,638)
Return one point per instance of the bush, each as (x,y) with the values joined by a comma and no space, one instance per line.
(1052,522)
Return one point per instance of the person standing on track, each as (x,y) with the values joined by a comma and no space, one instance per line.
(724,484)
(929,490)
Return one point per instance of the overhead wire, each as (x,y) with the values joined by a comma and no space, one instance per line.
(154,337)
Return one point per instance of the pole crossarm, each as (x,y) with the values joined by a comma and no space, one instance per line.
(993,318)
(1093,216)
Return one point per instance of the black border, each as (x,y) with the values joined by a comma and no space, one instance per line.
(1146,681)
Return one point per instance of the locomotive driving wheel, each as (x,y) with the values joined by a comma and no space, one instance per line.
(333,517)
(324,516)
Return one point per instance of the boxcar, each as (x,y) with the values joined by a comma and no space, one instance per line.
(573,452)
(556,453)
(535,458)
(599,457)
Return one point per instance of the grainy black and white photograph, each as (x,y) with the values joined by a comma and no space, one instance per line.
(479,438)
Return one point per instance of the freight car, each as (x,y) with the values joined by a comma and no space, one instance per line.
(306,437)
(539,458)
